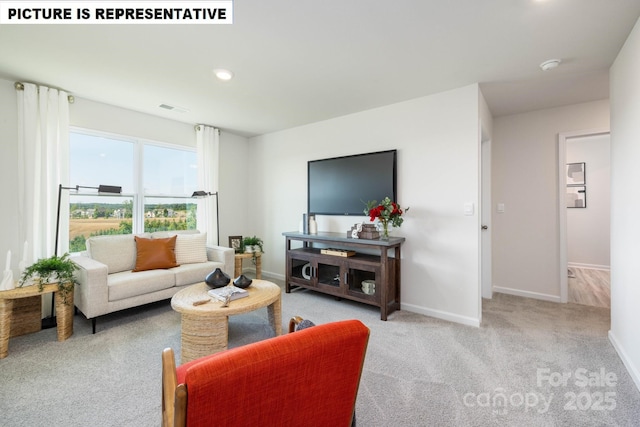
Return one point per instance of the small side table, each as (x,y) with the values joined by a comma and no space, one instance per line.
(64,312)
(237,271)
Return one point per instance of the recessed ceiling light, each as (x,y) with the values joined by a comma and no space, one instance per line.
(550,64)
(223,74)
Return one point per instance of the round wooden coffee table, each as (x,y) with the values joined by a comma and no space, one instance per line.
(205,327)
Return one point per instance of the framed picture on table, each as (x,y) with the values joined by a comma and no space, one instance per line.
(235,242)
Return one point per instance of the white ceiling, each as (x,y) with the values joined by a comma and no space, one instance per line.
(303,61)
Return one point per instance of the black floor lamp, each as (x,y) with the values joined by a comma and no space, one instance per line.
(198,194)
(50,322)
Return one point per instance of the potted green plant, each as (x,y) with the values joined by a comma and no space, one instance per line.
(54,269)
(252,245)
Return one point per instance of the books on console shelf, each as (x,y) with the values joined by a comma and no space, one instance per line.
(337,252)
(364,231)
(221,293)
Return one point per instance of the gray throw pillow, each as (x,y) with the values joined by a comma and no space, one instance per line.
(304,324)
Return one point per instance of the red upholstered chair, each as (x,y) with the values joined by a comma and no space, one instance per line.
(308,378)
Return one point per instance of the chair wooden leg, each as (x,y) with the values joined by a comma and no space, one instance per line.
(93,325)
(168,387)
(180,415)
(293,322)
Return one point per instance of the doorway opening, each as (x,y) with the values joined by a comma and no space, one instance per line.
(485,219)
(584,217)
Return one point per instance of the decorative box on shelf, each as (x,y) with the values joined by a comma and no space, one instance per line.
(337,252)
(369,231)
(364,231)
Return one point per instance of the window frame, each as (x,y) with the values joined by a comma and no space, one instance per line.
(138,196)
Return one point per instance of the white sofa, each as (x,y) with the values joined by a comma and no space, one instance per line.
(107,282)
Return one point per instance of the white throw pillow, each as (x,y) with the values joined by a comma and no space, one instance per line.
(117,252)
(191,248)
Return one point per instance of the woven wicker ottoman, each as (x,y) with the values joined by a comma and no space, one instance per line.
(205,327)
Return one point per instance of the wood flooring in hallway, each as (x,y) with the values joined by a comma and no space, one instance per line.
(589,287)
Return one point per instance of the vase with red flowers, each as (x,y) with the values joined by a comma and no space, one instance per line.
(386,212)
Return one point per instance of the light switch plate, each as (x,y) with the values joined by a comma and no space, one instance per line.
(468,208)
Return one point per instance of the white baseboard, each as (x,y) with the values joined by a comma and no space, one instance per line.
(589,266)
(450,317)
(628,363)
(270,274)
(443,315)
(527,294)
(265,274)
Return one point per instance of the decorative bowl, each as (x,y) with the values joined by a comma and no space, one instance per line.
(242,281)
(217,279)
(369,287)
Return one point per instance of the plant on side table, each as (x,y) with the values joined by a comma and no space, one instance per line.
(252,244)
(54,269)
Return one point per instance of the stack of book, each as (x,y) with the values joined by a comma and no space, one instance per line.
(364,231)
(369,231)
(337,252)
(221,293)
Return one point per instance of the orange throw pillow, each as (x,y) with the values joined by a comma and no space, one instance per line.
(153,254)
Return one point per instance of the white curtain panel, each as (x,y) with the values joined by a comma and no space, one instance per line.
(208,144)
(43,153)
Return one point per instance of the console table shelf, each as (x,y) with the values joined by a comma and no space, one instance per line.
(341,276)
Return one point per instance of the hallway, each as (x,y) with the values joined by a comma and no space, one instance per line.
(589,287)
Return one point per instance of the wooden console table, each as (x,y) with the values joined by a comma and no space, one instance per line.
(64,312)
(343,277)
(237,271)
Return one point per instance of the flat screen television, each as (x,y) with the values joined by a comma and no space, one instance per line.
(343,185)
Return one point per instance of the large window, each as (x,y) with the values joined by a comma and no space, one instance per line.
(157,181)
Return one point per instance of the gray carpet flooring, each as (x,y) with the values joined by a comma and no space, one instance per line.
(419,371)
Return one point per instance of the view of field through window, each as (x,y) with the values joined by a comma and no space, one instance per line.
(88,219)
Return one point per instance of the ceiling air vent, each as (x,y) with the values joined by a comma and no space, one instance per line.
(174,108)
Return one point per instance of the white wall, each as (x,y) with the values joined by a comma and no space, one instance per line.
(236,208)
(108,118)
(438,157)
(588,236)
(525,161)
(625,227)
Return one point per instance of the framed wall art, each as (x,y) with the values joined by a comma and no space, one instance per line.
(576,174)
(577,196)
